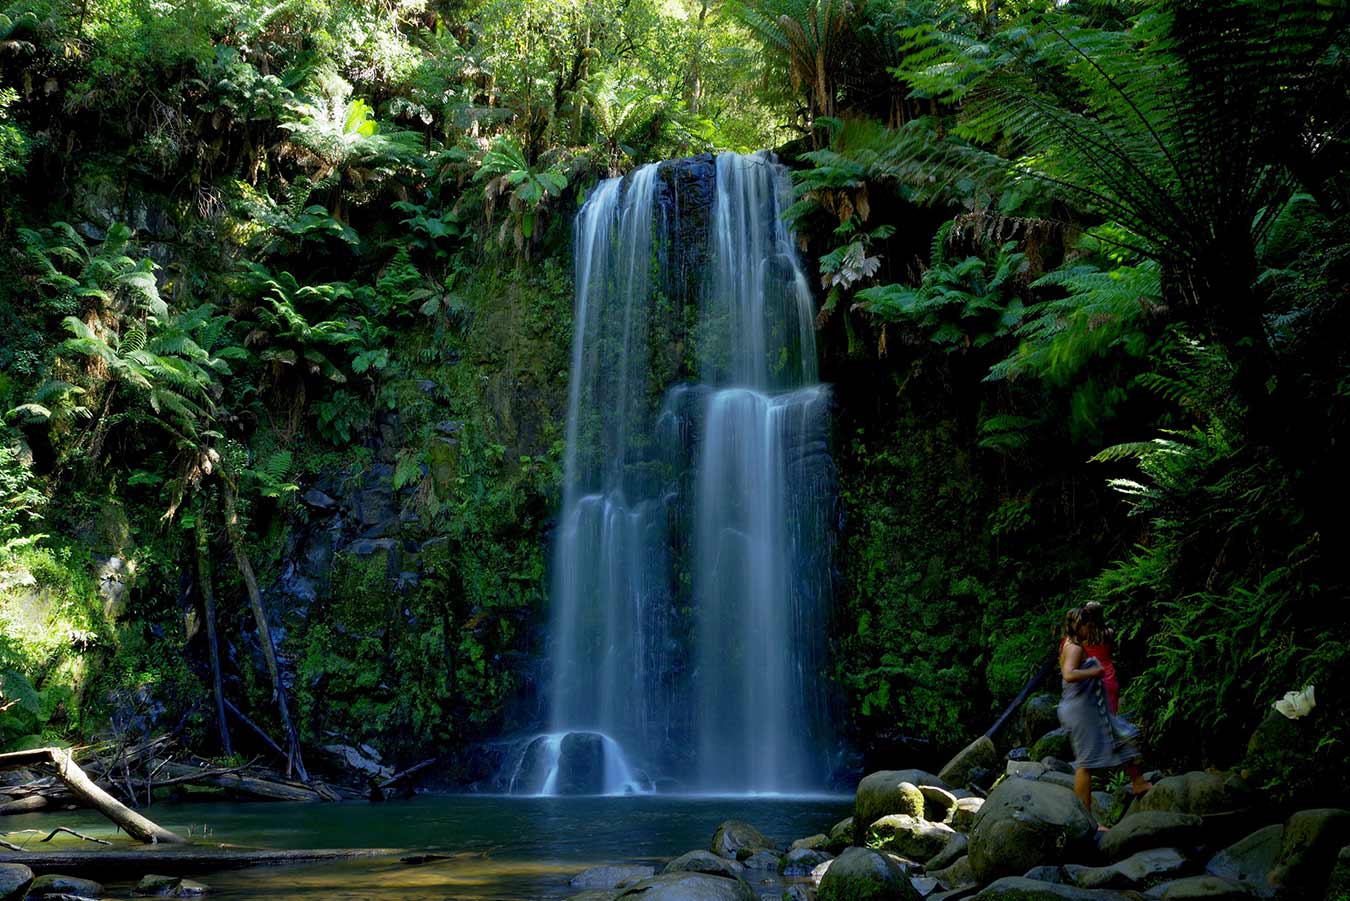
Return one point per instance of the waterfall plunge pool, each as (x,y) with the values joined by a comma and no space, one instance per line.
(500,848)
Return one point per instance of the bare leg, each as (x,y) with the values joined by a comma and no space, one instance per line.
(1137,781)
(1082,786)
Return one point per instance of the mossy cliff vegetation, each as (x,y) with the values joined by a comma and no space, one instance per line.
(285,306)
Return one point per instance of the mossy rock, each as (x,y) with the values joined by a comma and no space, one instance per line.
(1055,743)
(861,874)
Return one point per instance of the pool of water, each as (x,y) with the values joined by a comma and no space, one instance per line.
(505,848)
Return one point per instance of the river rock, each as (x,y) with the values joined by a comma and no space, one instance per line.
(1308,851)
(608,877)
(801,861)
(737,840)
(938,803)
(1197,793)
(798,893)
(1150,829)
(763,859)
(963,815)
(841,834)
(978,755)
(911,837)
(1054,743)
(817,842)
(956,846)
(924,885)
(1055,765)
(1209,888)
(956,875)
(1040,714)
(595,894)
(705,862)
(1249,859)
(14,880)
(689,887)
(1138,870)
(167,887)
(1024,824)
(1019,888)
(861,874)
(882,793)
(1025,769)
(54,884)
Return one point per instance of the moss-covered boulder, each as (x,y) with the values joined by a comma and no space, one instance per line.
(1024,824)
(1151,829)
(886,792)
(1309,847)
(861,874)
(1136,871)
(1040,714)
(1197,793)
(737,840)
(1249,859)
(56,884)
(1203,888)
(841,836)
(800,862)
(911,837)
(1338,888)
(957,846)
(1055,743)
(980,756)
(705,862)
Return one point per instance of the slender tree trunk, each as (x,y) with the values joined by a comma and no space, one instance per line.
(264,631)
(209,605)
(696,63)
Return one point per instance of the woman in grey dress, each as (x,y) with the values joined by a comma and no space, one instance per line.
(1101,739)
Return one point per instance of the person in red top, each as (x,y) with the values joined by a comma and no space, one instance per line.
(1098,641)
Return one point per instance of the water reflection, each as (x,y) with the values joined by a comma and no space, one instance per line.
(506,849)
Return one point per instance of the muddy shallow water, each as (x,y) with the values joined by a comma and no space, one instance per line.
(499,847)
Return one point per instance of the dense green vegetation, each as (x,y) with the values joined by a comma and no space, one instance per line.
(1083,271)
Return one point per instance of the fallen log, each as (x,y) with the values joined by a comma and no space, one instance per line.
(134,863)
(241,783)
(25,805)
(84,789)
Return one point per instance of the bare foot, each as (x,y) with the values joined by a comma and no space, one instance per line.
(1101,828)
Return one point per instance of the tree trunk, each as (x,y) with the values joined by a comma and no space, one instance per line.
(264,631)
(82,787)
(209,606)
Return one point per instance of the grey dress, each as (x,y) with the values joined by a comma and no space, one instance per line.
(1100,738)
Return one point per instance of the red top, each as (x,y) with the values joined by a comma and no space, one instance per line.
(1109,682)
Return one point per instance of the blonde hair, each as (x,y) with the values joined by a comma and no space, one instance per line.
(1093,624)
(1073,627)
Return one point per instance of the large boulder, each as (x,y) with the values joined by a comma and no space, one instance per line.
(14,880)
(910,837)
(763,859)
(1249,859)
(611,876)
(689,887)
(705,862)
(1308,849)
(737,840)
(885,792)
(1151,829)
(817,842)
(1024,824)
(1198,793)
(801,861)
(1138,870)
(980,755)
(861,874)
(963,815)
(1019,888)
(1040,714)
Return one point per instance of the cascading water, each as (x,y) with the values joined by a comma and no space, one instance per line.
(691,563)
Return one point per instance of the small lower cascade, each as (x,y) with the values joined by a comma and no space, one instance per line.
(691,565)
(573,763)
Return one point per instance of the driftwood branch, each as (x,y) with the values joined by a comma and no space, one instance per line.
(85,789)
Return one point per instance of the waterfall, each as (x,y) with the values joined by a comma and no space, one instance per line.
(691,562)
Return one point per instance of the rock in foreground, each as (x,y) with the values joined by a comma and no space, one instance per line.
(1025,824)
(861,874)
